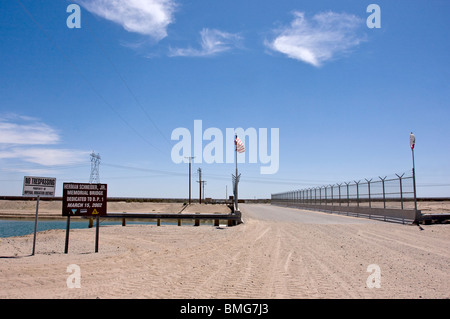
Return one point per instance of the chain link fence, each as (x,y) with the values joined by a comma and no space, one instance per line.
(373,197)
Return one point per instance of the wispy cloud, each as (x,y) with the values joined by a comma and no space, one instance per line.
(212,42)
(318,39)
(146,17)
(25,139)
(31,133)
(46,156)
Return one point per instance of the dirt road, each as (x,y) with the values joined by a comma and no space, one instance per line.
(281,257)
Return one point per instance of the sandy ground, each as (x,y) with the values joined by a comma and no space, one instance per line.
(257,259)
(437,207)
(53,209)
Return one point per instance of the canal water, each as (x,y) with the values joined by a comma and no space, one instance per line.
(21,227)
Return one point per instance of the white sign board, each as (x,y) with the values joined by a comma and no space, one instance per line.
(42,186)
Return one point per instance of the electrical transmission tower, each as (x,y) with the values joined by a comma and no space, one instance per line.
(95,165)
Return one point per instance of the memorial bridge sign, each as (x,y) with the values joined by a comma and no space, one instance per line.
(83,199)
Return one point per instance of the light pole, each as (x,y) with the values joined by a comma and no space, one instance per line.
(412,143)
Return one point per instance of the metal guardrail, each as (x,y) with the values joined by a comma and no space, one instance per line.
(232,218)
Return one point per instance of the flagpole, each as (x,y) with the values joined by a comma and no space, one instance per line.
(236,178)
(414,181)
(235,154)
(412,141)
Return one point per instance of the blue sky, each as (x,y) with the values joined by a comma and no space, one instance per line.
(344,96)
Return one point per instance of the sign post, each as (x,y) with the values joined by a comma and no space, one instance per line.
(97,229)
(81,199)
(38,186)
(66,245)
(35,225)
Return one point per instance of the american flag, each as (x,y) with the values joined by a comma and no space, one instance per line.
(239,145)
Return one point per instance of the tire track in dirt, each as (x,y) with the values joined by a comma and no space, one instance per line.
(258,259)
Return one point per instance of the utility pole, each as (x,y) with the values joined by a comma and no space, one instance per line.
(190,158)
(200,185)
(203,186)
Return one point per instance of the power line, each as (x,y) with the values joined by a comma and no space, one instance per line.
(75,67)
(126,84)
(144,169)
(270,181)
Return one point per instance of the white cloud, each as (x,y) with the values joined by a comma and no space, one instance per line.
(32,171)
(319,39)
(46,156)
(19,137)
(146,17)
(212,42)
(32,133)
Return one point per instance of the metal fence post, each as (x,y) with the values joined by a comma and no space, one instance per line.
(401,188)
(368,185)
(348,196)
(332,186)
(384,192)
(340,193)
(357,192)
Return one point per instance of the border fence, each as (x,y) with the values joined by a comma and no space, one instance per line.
(386,198)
